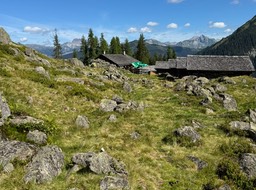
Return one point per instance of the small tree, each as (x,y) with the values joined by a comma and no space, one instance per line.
(57,54)
(142,53)
(103,44)
(91,45)
(127,47)
(170,53)
(84,50)
(74,53)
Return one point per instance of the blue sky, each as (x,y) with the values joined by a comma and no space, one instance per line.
(33,21)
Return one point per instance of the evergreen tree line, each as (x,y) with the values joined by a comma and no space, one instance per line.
(92,47)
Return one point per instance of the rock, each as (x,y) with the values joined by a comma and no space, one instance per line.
(75,80)
(111,183)
(76,62)
(206,101)
(8,168)
(224,187)
(199,163)
(5,110)
(249,128)
(45,165)
(107,105)
(188,131)
(202,81)
(23,120)
(135,135)
(209,111)
(10,150)
(30,52)
(227,80)
(100,163)
(169,77)
(37,137)
(4,37)
(118,99)
(248,164)
(252,115)
(112,118)
(82,122)
(197,125)
(127,87)
(219,88)
(42,71)
(229,102)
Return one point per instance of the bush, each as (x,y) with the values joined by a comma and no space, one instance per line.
(236,148)
(230,170)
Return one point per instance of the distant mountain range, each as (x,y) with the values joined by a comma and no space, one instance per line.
(191,46)
(241,42)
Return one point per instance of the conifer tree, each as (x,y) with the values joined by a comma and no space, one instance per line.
(127,47)
(170,54)
(74,53)
(57,54)
(91,45)
(142,53)
(103,44)
(118,46)
(84,50)
(113,46)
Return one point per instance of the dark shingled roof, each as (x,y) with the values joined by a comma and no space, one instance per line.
(118,59)
(219,63)
(181,63)
(171,63)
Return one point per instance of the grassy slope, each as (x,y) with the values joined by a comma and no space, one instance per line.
(151,163)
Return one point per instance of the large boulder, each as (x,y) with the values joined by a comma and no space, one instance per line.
(42,71)
(229,102)
(189,132)
(45,165)
(76,62)
(37,137)
(249,128)
(252,115)
(10,150)
(110,182)
(127,87)
(248,164)
(100,163)
(4,36)
(107,105)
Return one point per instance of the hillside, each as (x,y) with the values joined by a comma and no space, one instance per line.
(241,42)
(132,131)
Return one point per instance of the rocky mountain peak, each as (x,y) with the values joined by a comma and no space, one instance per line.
(4,36)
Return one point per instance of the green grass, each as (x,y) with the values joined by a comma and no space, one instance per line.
(151,162)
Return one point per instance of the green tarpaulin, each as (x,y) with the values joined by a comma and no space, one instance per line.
(139,64)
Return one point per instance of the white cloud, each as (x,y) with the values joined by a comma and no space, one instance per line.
(24,39)
(132,30)
(145,30)
(174,1)
(35,30)
(187,25)
(172,25)
(152,23)
(235,2)
(228,30)
(217,24)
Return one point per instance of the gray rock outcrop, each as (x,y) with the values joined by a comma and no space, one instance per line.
(45,165)
(199,163)
(82,122)
(5,111)
(248,164)
(127,87)
(249,128)
(100,163)
(4,37)
(229,102)
(107,105)
(37,137)
(252,115)
(42,71)
(22,120)
(76,62)
(110,182)
(188,131)
(10,150)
